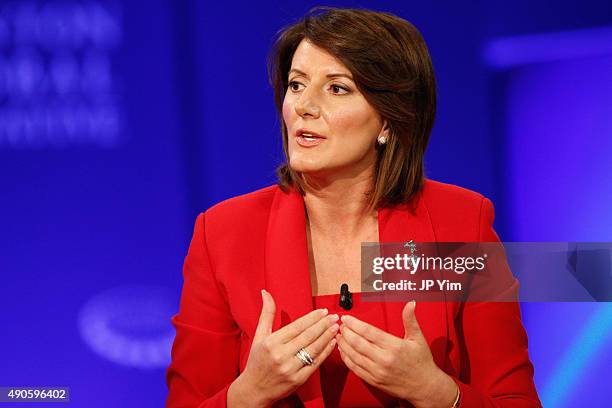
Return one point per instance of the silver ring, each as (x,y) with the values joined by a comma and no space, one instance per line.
(304,357)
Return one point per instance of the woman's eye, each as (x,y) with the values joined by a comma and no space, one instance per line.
(339,89)
(293,84)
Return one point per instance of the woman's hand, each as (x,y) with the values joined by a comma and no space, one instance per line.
(403,368)
(273,371)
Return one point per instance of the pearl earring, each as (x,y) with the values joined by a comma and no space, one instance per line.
(382,139)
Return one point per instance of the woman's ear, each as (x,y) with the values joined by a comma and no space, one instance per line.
(385,129)
(383,136)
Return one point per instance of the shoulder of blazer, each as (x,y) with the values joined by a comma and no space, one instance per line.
(455,212)
(247,211)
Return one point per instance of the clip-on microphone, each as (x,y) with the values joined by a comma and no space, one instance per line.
(346,297)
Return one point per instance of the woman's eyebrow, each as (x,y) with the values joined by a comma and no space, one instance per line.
(339,75)
(333,75)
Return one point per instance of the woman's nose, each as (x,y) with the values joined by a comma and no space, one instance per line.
(307,106)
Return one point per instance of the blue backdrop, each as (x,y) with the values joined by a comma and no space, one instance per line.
(121,121)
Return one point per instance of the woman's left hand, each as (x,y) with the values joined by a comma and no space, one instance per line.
(403,368)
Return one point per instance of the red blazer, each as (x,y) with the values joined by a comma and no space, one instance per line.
(258,240)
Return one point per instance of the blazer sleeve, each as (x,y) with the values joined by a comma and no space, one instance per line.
(205,352)
(497,371)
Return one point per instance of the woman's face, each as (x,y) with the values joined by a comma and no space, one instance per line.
(340,125)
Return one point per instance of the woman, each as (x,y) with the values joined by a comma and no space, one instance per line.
(356,93)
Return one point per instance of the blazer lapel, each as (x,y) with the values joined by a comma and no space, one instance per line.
(287,276)
(402,223)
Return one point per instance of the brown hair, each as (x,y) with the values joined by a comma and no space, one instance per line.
(391,66)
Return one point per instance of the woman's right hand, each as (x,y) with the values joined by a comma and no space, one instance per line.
(272,370)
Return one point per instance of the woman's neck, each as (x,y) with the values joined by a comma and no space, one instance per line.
(339,208)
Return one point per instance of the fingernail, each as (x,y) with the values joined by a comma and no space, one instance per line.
(342,318)
(334,328)
(333,342)
(325,311)
(333,317)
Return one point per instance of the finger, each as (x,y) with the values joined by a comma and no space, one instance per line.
(362,361)
(412,330)
(312,333)
(266,317)
(304,373)
(371,333)
(316,348)
(354,367)
(293,329)
(361,345)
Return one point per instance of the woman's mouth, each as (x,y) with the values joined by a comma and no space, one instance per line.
(306,140)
